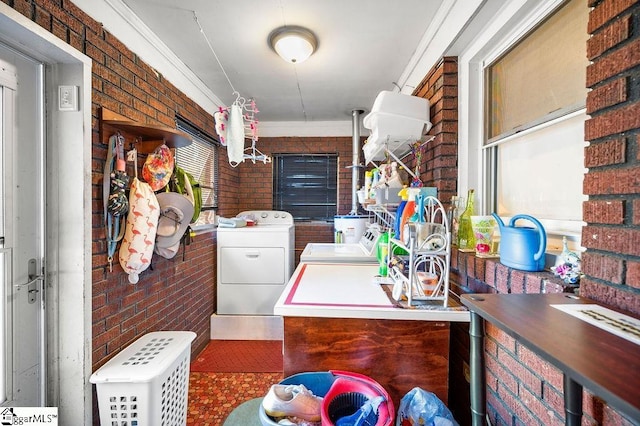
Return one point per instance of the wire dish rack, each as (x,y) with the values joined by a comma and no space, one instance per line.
(146,383)
(382,214)
(424,277)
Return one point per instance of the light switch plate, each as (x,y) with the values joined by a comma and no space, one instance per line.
(67,98)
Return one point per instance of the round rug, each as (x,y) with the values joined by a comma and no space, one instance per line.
(246,414)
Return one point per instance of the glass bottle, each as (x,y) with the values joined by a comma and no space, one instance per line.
(453,215)
(466,241)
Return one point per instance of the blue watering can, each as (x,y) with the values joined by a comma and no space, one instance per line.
(522,247)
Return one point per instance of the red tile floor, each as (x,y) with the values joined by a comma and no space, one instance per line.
(226,374)
(212,396)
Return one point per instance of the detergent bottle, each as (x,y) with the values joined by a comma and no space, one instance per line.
(409,209)
(404,195)
(383,253)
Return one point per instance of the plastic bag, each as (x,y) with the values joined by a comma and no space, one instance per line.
(419,407)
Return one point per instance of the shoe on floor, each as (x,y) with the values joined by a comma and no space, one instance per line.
(292,401)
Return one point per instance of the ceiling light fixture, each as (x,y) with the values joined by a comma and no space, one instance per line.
(293,44)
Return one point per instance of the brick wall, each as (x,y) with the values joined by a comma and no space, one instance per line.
(439,166)
(173,294)
(612,234)
(256,181)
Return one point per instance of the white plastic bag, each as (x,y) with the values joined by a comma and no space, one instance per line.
(419,407)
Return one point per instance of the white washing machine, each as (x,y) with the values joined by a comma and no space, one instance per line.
(254,265)
(364,251)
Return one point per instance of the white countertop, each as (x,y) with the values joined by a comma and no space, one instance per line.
(348,290)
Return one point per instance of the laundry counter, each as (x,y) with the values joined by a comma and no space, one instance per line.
(336,317)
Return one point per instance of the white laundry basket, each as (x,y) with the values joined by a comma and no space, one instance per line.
(146,383)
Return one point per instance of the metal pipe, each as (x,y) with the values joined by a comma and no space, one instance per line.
(355,163)
(477,364)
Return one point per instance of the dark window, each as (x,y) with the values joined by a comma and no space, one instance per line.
(306,185)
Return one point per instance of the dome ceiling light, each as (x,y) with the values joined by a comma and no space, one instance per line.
(293,44)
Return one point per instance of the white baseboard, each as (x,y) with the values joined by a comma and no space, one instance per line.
(246,327)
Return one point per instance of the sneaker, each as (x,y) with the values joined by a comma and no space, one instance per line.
(294,401)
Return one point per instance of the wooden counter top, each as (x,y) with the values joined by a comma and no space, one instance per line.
(602,362)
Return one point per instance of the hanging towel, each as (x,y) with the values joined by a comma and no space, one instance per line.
(235,136)
(233,222)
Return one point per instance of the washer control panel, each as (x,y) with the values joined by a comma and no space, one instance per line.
(268,217)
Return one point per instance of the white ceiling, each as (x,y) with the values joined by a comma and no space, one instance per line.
(364,46)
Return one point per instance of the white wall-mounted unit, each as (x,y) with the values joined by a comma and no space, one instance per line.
(396,121)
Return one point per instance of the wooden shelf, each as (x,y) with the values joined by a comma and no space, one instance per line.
(149,136)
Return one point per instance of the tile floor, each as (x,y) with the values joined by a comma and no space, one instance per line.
(212,396)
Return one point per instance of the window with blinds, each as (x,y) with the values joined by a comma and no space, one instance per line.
(306,185)
(200,158)
(534,144)
(541,77)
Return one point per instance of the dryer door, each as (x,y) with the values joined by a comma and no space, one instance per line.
(252,265)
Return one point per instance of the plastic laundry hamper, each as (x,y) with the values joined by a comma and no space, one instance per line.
(147,383)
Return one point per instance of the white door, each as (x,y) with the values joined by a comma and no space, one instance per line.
(21,230)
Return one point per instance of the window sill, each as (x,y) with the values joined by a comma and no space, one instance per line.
(206,222)
(203,228)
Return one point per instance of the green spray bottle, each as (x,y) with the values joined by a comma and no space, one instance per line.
(383,253)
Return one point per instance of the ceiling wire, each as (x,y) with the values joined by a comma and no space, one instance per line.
(295,68)
(304,112)
(195,17)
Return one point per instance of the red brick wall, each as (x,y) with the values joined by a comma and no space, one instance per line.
(256,181)
(439,166)
(612,234)
(173,294)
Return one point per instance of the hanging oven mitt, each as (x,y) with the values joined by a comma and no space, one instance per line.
(235,136)
(137,245)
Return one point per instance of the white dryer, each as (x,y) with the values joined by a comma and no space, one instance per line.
(364,251)
(254,265)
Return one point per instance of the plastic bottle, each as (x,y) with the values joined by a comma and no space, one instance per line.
(368,179)
(383,253)
(418,214)
(404,194)
(466,241)
(453,214)
(374,183)
(409,209)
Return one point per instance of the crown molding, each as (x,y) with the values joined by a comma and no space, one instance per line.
(124,24)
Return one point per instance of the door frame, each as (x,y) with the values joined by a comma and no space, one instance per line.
(68,216)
